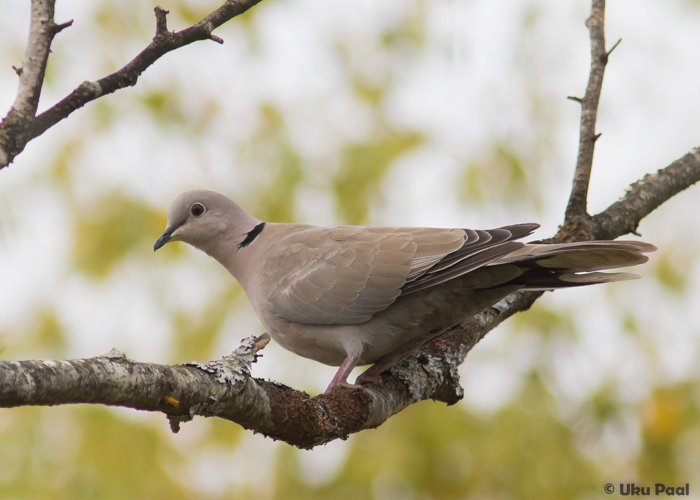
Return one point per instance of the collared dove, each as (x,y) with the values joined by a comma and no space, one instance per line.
(354,295)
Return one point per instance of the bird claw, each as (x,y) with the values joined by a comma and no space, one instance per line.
(341,385)
(366,378)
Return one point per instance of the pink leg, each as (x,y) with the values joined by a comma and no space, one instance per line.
(341,376)
(373,373)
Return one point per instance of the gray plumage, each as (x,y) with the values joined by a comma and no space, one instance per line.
(352,295)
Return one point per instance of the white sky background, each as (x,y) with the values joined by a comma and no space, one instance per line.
(469,85)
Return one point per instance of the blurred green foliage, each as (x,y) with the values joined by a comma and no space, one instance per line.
(273,154)
(110,230)
(670,271)
(501,178)
(429,451)
(195,337)
(69,453)
(49,333)
(164,105)
(666,415)
(546,322)
(363,168)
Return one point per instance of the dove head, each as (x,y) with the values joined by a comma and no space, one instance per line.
(209,221)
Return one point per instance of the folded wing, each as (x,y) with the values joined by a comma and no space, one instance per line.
(344,275)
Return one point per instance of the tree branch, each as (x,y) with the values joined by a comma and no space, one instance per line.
(226,389)
(589,112)
(645,196)
(17,130)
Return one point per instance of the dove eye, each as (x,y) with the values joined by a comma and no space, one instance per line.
(197,210)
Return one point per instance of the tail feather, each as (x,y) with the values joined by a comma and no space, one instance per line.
(580,256)
(566,265)
(492,259)
(585,259)
(541,280)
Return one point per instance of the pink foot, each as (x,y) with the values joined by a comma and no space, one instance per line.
(374,372)
(341,376)
(341,385)
(368,378)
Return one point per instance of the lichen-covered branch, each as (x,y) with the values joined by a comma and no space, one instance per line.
(589,112)
(17,129)
(226,389)
(222,389)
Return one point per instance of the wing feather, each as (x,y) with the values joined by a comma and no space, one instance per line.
(344,275)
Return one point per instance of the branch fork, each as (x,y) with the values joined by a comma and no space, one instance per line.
(21,124)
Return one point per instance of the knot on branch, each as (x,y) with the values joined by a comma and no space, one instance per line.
(89,89)
(113,354)
(208,28)
(450,391)
(212,409)
(57,28)
(434,375)
(578,228)
(235,368)
(421,373)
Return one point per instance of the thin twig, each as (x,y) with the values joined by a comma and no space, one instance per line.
(161,20)
(57,28)
(613,47)
(42,29)
(34,64)
(589,111)
(645,196)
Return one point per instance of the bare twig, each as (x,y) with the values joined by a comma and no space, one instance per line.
(161,20)
(589,111)
(41,32)
(13,138)
(57,28)
(42,29)
(645,196)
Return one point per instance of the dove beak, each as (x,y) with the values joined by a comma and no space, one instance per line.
(166,236)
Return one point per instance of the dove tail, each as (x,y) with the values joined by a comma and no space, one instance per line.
(547,279)
(566,265)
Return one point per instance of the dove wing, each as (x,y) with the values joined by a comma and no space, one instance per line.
(344,275)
